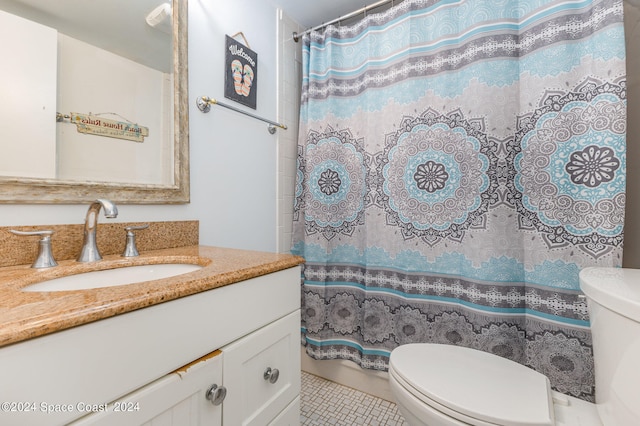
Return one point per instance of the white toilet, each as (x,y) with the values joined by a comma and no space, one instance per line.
(445,385)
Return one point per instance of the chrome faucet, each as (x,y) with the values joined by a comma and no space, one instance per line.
(45,256)
(89,251)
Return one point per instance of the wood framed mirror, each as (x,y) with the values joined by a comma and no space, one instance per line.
(56,187)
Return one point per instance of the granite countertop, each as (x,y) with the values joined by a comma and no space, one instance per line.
(24,315)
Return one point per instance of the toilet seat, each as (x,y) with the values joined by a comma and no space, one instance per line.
(472,386)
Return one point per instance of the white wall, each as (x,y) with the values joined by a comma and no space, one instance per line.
(233,157)
(28,88)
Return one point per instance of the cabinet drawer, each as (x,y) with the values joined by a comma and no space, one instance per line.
(253,399)
(178,399)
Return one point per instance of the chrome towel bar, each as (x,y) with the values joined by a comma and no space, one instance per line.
(204,104)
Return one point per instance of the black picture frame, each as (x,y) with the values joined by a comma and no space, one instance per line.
(241,73)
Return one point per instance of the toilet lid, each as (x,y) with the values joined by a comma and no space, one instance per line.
(475,384)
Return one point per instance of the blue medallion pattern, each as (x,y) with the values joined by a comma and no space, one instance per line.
(436,176)
(569,167)
(332,187)
(459,162)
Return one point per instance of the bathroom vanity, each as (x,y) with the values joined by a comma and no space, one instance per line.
(218,346)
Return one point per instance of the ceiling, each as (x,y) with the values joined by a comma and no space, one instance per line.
(311,13)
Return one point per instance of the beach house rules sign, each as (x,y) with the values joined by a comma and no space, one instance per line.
(98,126)
(241,73)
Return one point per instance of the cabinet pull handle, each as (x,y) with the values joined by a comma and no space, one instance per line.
(271,375)
(216,394)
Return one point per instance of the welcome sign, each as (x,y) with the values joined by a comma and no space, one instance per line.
(241,73)
(94,125)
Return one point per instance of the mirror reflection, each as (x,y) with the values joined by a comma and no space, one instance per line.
(91,90)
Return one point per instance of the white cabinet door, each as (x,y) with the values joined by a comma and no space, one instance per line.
(178,399)
(290,416)
(255,397)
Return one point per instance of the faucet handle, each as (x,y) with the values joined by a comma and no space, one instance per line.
(45,257)
(130,249)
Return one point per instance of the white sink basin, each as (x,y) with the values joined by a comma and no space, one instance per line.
(113,277)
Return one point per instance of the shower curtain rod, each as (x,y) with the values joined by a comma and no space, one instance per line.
(296,36)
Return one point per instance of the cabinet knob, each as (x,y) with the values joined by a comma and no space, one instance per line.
(271,375)
(216,394)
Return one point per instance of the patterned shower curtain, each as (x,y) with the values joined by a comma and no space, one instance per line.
(459,162)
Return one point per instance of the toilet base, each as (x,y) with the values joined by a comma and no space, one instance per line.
(573,411)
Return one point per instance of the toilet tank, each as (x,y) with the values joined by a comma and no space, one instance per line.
(613,298)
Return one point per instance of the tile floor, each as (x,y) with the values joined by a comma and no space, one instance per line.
(328,403)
